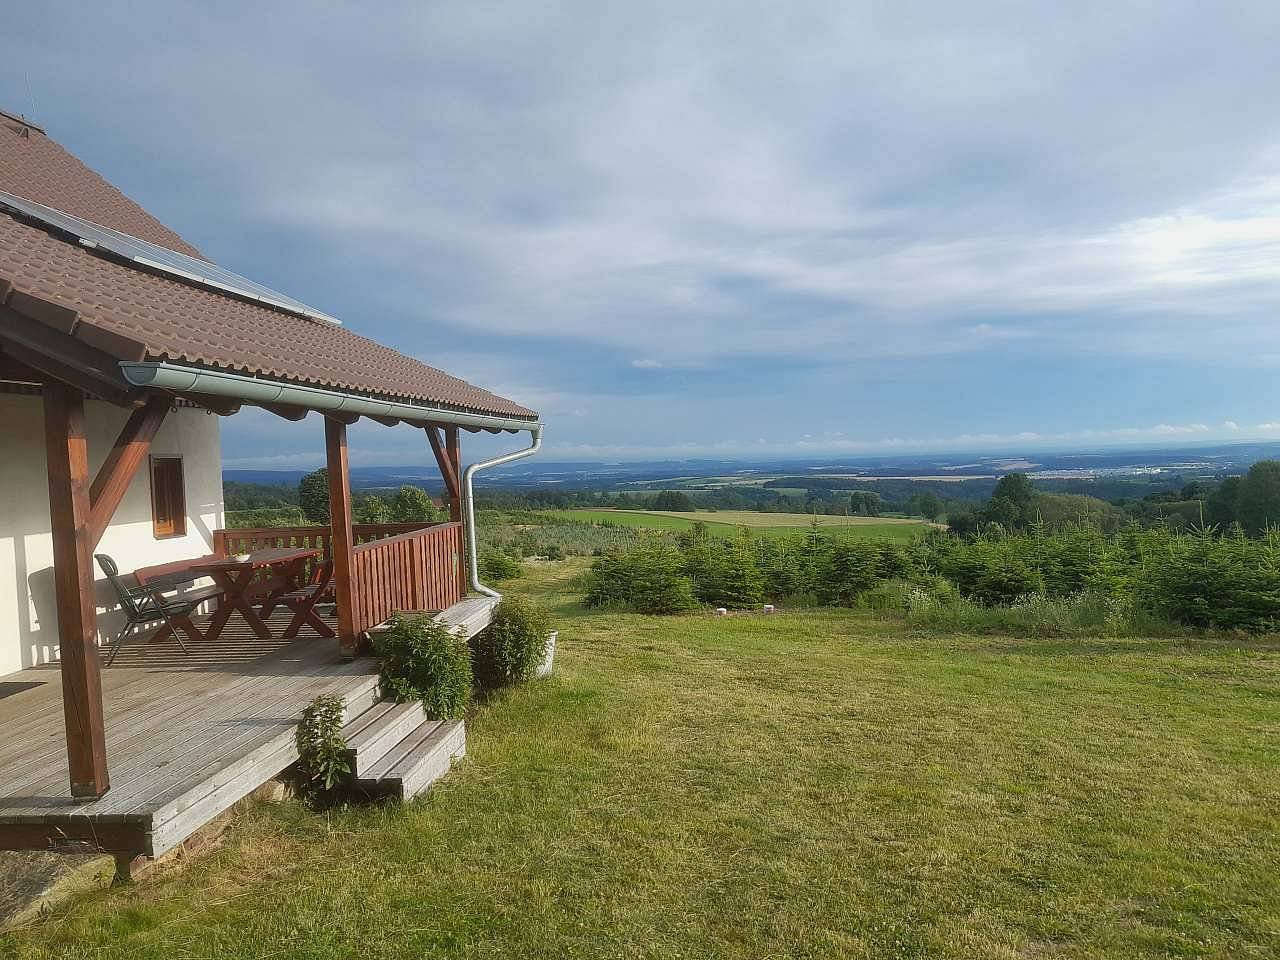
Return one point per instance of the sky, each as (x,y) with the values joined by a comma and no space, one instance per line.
(721,229)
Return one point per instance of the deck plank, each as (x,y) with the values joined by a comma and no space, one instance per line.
(186,735)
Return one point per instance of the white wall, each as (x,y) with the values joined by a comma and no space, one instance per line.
(28,625)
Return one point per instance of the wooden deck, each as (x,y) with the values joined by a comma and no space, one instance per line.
(187,736)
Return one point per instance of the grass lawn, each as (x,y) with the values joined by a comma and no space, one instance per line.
(811,784)
(726,522)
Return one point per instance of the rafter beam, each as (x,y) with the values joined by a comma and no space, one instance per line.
(63,358)
(448,469)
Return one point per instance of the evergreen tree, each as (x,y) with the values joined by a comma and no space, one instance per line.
(1259,504)
(1221,507)
(739,582)
(313,496)
(412,505)
(672,501)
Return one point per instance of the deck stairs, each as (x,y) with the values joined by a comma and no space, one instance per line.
(396,751)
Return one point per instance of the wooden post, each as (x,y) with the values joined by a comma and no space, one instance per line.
(67,458)
(341,538)
(453,450)
(453,453)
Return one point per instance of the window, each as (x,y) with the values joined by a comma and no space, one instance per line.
(168,497)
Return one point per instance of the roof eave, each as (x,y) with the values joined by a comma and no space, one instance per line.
(198,382)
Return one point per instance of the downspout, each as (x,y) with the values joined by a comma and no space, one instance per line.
(469,507)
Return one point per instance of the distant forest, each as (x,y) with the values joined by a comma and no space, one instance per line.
(1180,503)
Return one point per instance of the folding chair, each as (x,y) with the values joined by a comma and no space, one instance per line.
(145,605)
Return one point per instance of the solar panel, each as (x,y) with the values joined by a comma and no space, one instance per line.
(158,258)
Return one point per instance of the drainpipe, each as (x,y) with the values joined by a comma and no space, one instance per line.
(469,507)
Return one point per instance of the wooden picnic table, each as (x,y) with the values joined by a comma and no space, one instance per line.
(243,584)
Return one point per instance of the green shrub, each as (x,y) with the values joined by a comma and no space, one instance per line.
(322,751)
(1005,581)
(422,660)
(510,649)
(498,567)
(851,568)
(888,595)
(648,580)
(551,551)
(723,573)
(1033,615)
(1203,581)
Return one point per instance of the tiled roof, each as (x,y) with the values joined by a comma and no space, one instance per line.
(133,314)
(36,168)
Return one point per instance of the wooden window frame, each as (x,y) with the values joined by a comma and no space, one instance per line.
(180,513)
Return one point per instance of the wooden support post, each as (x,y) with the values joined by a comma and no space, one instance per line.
(453,450)
(67,457)
(122,463)
(341,537)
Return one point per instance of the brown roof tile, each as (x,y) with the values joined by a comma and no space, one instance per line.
(131,314)
(176,321)
(36,168)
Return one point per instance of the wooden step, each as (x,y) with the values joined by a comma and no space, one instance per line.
(372,734)
(417,761)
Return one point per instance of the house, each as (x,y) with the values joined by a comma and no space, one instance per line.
(121,349)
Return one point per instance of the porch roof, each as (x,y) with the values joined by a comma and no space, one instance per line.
(124,311)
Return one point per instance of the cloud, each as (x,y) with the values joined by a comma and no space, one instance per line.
(943,220)
(807,446)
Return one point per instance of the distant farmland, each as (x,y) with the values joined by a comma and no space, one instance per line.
(725,523)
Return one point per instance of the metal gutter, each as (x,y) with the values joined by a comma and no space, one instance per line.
(180,379)
(469,506)
(218,383)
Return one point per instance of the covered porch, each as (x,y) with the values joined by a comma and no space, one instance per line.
(103,307)
(112,721)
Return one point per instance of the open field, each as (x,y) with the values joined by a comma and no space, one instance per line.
(727,522)
(811,784)
(755,518)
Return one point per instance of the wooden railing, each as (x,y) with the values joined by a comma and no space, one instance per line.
(417,570)
(396,566)
(248,539)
